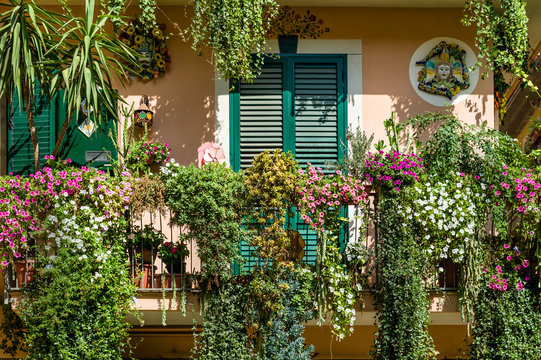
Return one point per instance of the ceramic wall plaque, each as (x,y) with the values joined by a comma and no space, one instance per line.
(440,71)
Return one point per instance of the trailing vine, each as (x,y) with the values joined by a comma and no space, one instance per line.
(502,40)
(234,30)
(401,297)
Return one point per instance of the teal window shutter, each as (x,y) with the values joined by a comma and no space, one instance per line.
(297,104)
(20,152)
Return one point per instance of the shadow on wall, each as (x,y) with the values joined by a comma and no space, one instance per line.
(183,104)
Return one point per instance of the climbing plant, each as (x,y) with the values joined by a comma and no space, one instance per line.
(502,40)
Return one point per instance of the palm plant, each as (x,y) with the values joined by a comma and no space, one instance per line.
(24,34)
(86,57)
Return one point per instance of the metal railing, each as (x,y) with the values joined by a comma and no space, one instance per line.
(150,273)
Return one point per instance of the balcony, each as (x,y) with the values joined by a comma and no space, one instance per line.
(156,280)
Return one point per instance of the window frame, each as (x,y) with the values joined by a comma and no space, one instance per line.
(288,62)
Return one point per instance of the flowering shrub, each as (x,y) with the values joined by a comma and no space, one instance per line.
(323,196)
(75,218)
(83,192)
(145,153)
(508,274)
(343,293)
(393,171)
(446,214)
(146,238)
(516,204)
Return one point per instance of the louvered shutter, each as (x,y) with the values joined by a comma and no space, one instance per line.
(20,151)
(261,114)
(316,113)
(297,104)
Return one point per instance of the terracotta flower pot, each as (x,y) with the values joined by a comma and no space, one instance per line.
(176,268)
(143,275)
(181,281)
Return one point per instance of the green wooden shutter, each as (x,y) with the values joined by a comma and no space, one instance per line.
(97,150)
(260,106)
(20,152)
(316,111)
(297,104)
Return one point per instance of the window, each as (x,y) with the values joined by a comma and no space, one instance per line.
(297,104)
(49,117)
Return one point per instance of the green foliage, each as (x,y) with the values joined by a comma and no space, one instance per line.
(401,298)
(502,38)
(210,202)
(507,325)
(224,335)
(88,319)
(146,238)
(355,162)
(148,13)
(86,57)
(283,338)
(234,30)
(25,30)
(272,182)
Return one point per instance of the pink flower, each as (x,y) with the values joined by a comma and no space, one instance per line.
(509,257)
(506,246)
(520,286)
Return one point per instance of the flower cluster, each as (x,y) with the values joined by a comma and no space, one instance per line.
(146,238)
(64,196)
(506,275)
(144,153)
(288,22)
(393,171)
(323,196)
(446,213)
(342,295)
(518,193)
(173,253)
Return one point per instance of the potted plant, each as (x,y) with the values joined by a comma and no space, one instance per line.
(143,245)
(173,255)
(145,154)
(288,26)
(145,242)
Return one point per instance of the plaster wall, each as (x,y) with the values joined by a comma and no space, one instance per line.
(184,99)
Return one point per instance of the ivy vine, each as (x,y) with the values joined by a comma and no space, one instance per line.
(502,40)
(234,30)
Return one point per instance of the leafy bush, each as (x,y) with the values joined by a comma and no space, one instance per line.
(210,203)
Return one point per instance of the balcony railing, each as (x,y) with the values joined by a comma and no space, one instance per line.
(150,273)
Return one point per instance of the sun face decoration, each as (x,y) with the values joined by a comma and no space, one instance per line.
(444,71)
(150,44)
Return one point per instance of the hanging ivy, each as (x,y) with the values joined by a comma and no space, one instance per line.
(234,30)
(502,39)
